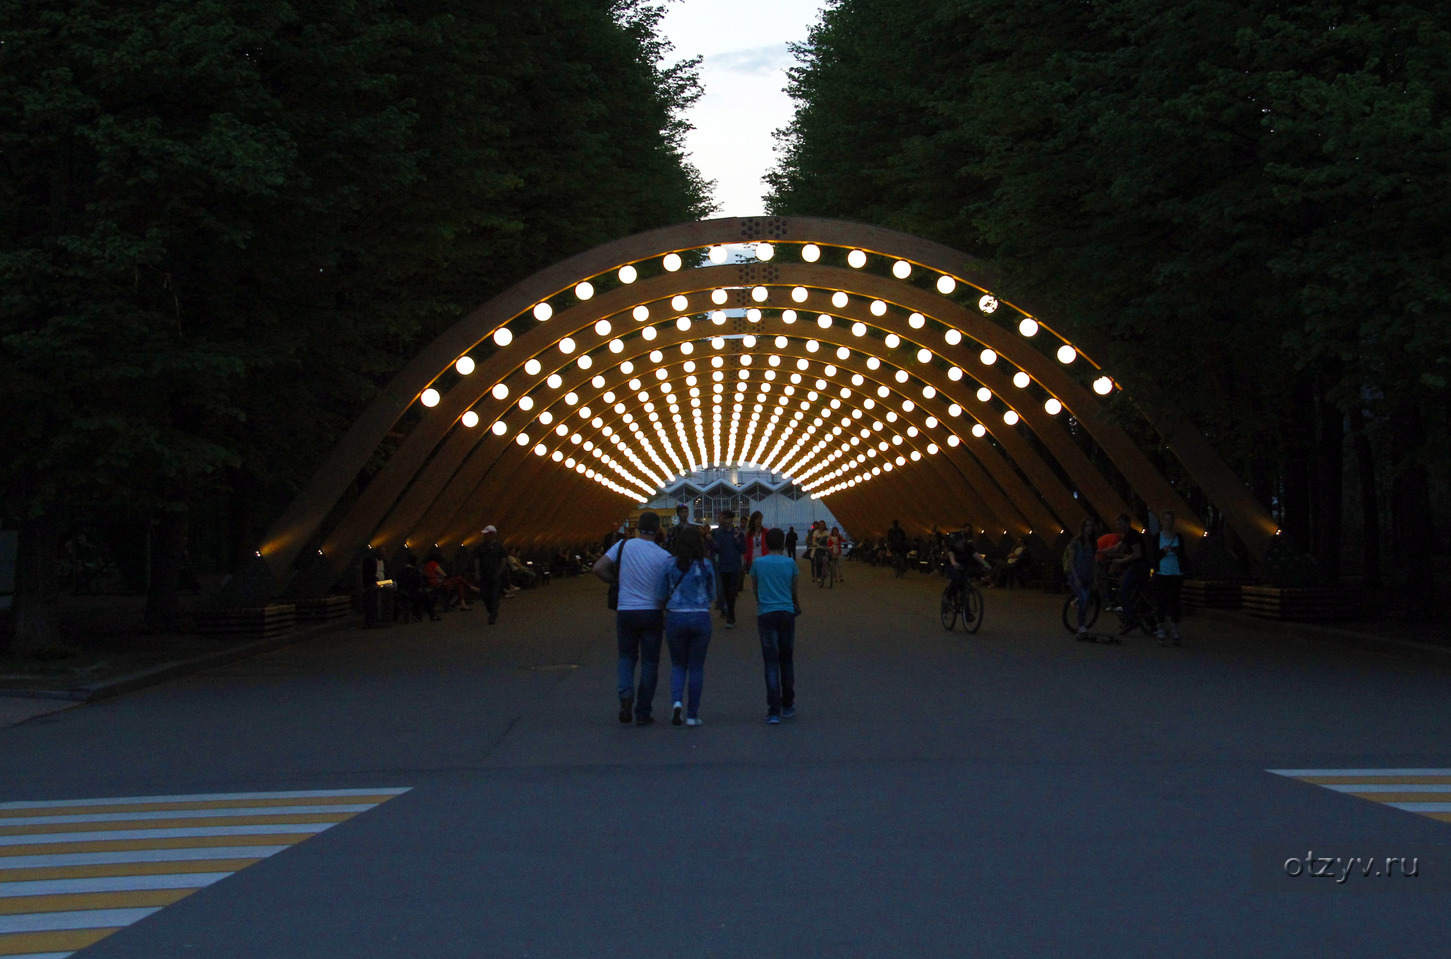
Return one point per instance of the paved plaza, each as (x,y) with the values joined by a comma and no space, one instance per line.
(460,790)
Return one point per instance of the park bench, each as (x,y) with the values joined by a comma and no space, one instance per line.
(1304,604)
(255,622)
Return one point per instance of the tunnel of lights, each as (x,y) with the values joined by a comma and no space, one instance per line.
(880,370)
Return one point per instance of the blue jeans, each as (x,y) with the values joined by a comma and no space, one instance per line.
(688,636)
(639,633)
(1081,590)
(778,648)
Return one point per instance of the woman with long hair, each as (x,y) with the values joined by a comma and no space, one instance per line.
(688,588)
(1080,563)
(755,539)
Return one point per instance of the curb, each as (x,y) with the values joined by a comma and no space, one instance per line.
(1313,632)
(94,692)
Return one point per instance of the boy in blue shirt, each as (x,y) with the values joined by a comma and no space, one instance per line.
(774,579)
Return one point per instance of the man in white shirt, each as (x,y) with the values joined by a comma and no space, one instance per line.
(637,565)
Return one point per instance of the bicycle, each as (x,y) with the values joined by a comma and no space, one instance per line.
(819,566)
(1104,595)
(964,601)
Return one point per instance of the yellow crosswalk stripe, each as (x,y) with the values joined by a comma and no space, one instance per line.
(1431,799)
(73,889)
(69,902)
(128,824)
(21,812)
(22,943)
(161,842)
(168,868)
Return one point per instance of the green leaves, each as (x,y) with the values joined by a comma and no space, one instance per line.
(226,223)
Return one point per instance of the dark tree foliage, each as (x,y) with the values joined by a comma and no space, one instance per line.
(1241,207)
(226,222)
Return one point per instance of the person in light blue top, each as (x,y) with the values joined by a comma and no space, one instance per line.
(774,579)
(1168,579)
(687,586)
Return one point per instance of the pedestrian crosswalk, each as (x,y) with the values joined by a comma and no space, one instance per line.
(74,871)
(1423,791)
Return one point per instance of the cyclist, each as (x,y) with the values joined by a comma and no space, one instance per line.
(963,558)
(816,541)
(897,544)
(1080,565)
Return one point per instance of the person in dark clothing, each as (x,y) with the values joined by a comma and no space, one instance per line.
(727,545)
(413,598)
(489,560)
(791,543)
(1133,560)
(897,544)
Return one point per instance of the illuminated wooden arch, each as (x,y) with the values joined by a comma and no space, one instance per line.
(445,479)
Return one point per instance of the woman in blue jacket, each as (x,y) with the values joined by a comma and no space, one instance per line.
(688,588)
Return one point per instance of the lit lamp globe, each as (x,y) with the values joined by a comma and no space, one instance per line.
(429,397)
(1053,406)
(628,274)
(671,262)
(465,365)
(1103,386)
(470,419)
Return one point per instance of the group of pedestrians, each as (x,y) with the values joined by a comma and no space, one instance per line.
(665,596)
(1156,559)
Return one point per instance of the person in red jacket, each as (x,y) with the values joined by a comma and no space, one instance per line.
(755,537)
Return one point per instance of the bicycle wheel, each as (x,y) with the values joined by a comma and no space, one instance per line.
(949,610)
(972,610)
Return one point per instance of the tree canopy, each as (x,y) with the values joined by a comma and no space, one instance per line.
(227,223)
(1241,207)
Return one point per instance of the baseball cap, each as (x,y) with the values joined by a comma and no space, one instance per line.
(490,529)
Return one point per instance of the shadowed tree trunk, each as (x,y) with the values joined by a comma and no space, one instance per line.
(168,548)
(1369,502)
(1411,506)
(37,594)
(1328,485)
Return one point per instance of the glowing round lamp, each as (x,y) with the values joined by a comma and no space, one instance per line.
(500,391)
(901,269)
(839,300)
(946,284)
(499,428)
(671,262)
(988,357)
(627,274)
(584,290)
(543,312)
(1067,354)
(465,365)
(429,397)
(470,419)
(1029,326)
(532,367)
(856,259)
(1021,380)
(1103,386)
(1053,406)
(892,340)
(717,254)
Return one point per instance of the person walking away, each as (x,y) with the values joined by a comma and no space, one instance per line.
(687,587)
(1080,564)
(897,544)
(816,553)
(1133,560)
(1169,568)
(728,546)
(637,565)
(774,580)
(833,550)
(682,520)
(791,543)
(489,559)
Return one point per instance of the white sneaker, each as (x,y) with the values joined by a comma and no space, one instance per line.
(694,721)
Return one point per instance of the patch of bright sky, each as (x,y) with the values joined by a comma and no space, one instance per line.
(744,75)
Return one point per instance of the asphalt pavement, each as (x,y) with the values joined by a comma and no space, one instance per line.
(1009,793)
